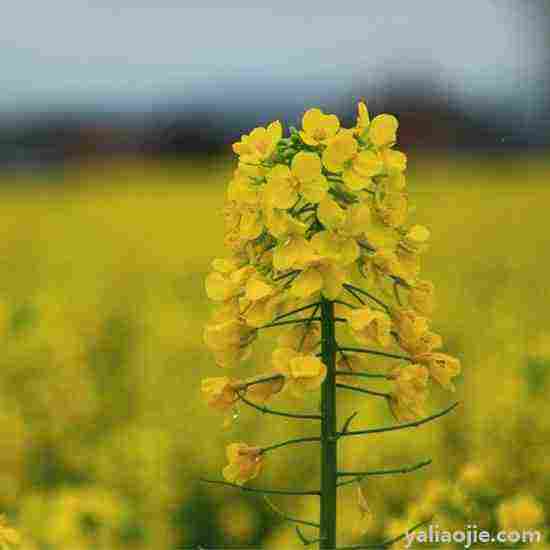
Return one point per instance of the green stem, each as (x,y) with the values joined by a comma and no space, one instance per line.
(329,439)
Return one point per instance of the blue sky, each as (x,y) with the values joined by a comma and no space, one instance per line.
(134,53)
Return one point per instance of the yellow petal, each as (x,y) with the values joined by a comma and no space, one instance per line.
(279,194)
(315,190)
(231,473)
(311,120)
(305,366)
(367,164)
(382,130)
(363,117)
(251,225)
(307,283)
(288,255)
(308,140)
(330,214)
(339,150)
(355,181)
(306,166)
(218,287)
(256,289)
(418,234)
(224,265)
(281,357)
(333,279)
(331,125)
(275,131)
(394,161)
(358,217)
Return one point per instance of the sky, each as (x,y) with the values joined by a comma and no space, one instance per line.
(133,54)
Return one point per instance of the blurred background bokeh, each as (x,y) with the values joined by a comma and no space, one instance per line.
(116,124)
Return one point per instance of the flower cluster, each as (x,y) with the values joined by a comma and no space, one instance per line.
(306,216)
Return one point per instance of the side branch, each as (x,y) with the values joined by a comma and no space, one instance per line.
(367,294)
(361,374)
(290,322)
(290,442)
(246,385)
(288,518)
(267,410)
(389,542)
(381,353)
(259,490)
(363,390)
(358,476)
(355,295)
(285,275)
(402,426)
(299,310)
(307,325)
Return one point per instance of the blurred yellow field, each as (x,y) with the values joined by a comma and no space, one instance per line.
(103,433)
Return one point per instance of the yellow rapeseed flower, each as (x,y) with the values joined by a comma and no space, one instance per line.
(520,513)
(330,214)
(228,336)
(262,392)
(409,326)
(227,280)
(350,363)
(305,335)
(382,130)
(219,393)
(307,169)
(392,207)
(261,301)
(285,185)
(358,220)
(394,161)
(363,119)
(318,127)
(296,251)
(369,326)
(9,537)
(336,247)
(260,144)
(442,367)
(340,151)
(363,166)
(422,297)
(282,225)
(408,397)
(302,372)
(323,270)
(245,463)
(425,343)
